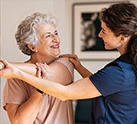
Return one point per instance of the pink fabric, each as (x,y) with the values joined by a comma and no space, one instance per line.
(51,111)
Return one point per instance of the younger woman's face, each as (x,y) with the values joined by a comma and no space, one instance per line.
(110,40)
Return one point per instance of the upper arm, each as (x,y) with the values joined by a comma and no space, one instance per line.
(109,80)
(61,73)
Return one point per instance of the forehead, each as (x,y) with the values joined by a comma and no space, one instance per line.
(45,28)
(105,28)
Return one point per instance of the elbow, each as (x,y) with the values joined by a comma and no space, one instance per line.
(63,99)
(19,121)
(64,96)
(14,121)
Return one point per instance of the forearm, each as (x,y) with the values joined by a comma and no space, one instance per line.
(26,67)
(81,89)
(26,113)
(50,87)
(83,71)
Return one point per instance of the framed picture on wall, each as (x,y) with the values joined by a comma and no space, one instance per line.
(85,29)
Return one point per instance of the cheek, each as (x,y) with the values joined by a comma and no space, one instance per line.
(43,47)
(113,43)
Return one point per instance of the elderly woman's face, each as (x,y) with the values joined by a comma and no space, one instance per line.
(49,41)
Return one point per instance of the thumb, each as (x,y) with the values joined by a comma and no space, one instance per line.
(38,72)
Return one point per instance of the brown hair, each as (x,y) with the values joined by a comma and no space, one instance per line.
(121,19)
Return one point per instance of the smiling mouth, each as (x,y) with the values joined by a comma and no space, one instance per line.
(55,46)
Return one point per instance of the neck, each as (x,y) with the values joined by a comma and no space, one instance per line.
(122,49)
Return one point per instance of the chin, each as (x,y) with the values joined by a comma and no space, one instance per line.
(57,54)
(108,48)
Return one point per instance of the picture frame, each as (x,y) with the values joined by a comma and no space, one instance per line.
(85,29)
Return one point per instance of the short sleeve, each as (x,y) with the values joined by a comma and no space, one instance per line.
(15,91)
(68,64)
(108,80)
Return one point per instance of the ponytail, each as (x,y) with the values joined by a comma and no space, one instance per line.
(132,51)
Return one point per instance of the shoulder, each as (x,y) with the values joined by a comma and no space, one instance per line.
(67,63)
(109,79)
(64,61)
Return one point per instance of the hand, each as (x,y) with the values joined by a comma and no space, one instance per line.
(43,71)
(7,70)
(1,66)
(73,58)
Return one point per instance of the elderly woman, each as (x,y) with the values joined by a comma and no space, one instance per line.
(38,38)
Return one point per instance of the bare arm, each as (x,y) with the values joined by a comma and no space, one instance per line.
(29,110)
(24,113)
(57,70)
(26,67)
(80,89)
(77,64)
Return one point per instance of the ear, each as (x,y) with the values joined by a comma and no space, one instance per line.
(123,39)
(32,48)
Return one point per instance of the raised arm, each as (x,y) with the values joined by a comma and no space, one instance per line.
(57,70)
(25,113)
(81,89)
(26,67)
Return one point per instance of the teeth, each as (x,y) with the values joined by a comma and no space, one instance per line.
(57,46)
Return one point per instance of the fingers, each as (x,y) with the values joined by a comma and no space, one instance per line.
(1,66)
(69,55)
(73,61)
(38,73)
(4,62)
(42,70)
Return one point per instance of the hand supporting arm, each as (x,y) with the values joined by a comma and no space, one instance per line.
(77,65)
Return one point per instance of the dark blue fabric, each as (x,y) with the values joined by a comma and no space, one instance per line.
(118,86)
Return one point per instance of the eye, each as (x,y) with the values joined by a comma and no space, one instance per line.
(102,31)
(46,36)
(56,33)
(49,35)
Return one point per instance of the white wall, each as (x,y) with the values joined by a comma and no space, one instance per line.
(13,11)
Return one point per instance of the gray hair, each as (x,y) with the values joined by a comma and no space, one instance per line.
(27,30)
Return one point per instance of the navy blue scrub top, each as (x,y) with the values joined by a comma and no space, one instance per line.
(118,85)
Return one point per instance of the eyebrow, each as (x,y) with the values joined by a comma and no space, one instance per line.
(48,33)
(102,29)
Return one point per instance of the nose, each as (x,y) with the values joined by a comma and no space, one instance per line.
(99,34)
(55,38)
